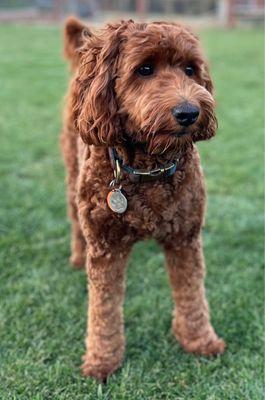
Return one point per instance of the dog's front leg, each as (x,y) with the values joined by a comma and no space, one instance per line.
(105,339)
(191,323)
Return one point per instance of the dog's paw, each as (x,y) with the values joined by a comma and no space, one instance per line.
(77,260)
(100,371)
(205,346)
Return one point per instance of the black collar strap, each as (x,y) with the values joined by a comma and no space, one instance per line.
(140,176)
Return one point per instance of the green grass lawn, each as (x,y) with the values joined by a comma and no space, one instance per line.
(43,301)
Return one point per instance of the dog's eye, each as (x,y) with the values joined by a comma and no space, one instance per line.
(189,70)
(145,70)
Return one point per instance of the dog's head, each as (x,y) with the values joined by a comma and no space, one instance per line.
(148,82)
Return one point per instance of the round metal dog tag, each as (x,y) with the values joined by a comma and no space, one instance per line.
(117,202)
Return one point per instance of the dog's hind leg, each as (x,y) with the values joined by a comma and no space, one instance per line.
(70,154)
(191,323)
(78,244)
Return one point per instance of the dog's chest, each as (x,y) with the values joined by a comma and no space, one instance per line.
(155,209)
(151,207)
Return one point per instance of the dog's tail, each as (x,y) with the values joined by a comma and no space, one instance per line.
(74,33)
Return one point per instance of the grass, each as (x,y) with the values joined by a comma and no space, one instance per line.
(43,301)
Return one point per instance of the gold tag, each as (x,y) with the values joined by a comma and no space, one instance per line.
(117,202)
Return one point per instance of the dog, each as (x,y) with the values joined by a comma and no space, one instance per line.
(139,99)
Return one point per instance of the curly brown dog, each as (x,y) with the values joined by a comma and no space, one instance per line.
(139,99)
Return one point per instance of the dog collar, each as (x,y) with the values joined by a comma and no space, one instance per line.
(137,175)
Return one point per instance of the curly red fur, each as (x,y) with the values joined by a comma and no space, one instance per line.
(109,104)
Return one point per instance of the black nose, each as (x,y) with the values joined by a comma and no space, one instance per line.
(186,113)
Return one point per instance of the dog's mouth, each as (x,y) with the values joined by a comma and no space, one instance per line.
(178,134)
(183,132)
(175,133)
(164,140)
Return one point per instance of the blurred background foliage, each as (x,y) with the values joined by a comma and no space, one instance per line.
(225,12)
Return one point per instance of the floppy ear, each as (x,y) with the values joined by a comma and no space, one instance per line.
(205,74)
(208,83)
(74,33)
(95,106)
(209,124)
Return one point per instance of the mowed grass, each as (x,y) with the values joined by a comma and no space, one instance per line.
(44,302)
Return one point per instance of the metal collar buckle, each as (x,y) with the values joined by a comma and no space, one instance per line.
(138,175)
(117,171)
